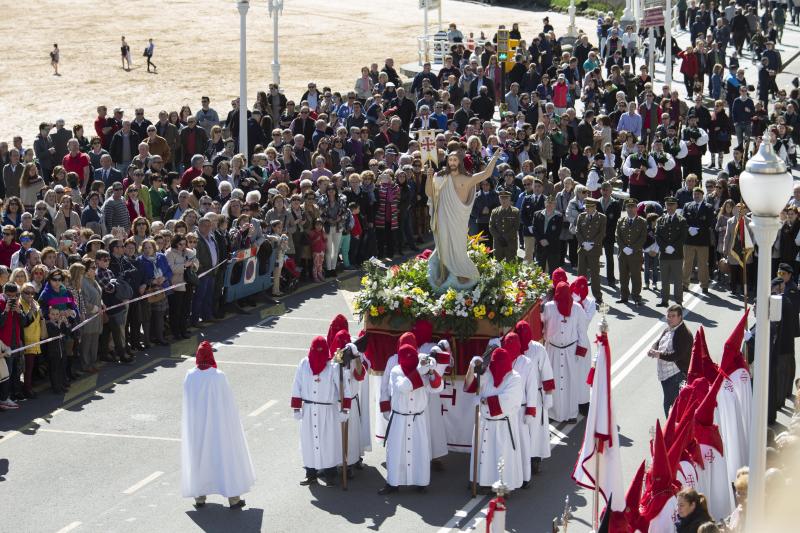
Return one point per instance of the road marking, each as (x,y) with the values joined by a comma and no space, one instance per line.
(113,435)
(152,477)
(254,347)
(69,527)
(461,513)
(621,374)
(261,329)
(263,408)
(255,363)
(305,318)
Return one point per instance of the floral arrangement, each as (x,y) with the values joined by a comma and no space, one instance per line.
(401,294)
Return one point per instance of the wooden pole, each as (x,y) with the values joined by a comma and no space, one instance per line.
(344,428)
(475,437)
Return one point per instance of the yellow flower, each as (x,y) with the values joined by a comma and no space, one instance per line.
(417,291)
(373,311)
(364,281)
(507,311)
(356,306)
(451,295)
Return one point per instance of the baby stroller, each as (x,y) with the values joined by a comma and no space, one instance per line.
(290,276)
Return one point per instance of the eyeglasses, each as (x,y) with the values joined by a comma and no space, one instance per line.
(56,279)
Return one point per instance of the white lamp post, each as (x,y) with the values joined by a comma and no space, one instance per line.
(765,187)
(275,9)
(243,6)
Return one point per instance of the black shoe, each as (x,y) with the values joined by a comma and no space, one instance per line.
(387,489)
(126,360)
(526,484)
(583,409)
(422,489)
(107,358)
(637,300)
(572,421)
(705,290)
(309,481)
(622,301)
(536,465)
(29,394)
(359,465)
(238,505)
(198,505)
(662,304)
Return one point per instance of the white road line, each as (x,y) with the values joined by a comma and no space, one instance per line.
(461,513)
(617,379)
(263,408)
(255,364)
(254,347)
(260,329)
(617,365)
(113,435)
(69,527)
(284,317)
(152,477)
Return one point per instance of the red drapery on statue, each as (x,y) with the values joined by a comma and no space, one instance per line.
(382,342)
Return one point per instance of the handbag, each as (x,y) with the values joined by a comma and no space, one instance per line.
(190,277)
(723,266)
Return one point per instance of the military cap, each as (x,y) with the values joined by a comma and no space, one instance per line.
(670,200)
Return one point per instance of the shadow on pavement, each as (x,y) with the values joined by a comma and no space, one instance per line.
(217,517)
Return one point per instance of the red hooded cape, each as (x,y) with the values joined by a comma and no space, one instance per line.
(660,484)
(339,323)
(423,331)
(204,358)
(732,357)
(409,360)
(525,333)
(563,299)
(318,354)
(580,288)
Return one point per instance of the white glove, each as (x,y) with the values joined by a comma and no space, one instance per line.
(670,250)
(588,246)
(298,414)
(529,420)
(444,345)
(748,335)
(530,229)
(343,415)
(544,242)
(693,231)
(352,347)
(627,250)
(474,360)
(387,415)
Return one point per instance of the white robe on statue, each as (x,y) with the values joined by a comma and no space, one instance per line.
(408,447)
(434,413)
(585,363)
(214,454)
(664,522)
(320,429)
(498,435)
(543,377)
(450,225)
(529,406)
(714,482)
(728,417)
(564,335)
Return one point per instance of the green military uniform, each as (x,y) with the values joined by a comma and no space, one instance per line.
(631,236)
(591,230)
(504,227)
(671,232)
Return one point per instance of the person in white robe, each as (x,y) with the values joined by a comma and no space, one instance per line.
(315,402)
(384,398)
(580,293)
(408,449)
(500,393)
(737,384)
(523,366)
(659,506)
(713,477)
(354,374)
(679,457)
(542,376)
(214,454)
(564,323)
(423,332)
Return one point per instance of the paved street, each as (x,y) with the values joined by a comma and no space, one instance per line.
(106,457)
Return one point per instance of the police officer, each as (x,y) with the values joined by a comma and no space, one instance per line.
(700,221)
(547,225)
(503,225)
(591,230)
(631,236)
(671,232)
(612,209)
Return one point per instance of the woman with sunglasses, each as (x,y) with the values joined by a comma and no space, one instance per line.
(56,295)
(12,212)
(31,333)
(179,260)
(141,230)
(157,275)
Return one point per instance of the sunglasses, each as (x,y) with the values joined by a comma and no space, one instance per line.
(56,279)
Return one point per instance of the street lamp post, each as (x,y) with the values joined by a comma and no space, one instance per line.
(275,9)
(571,32)
(765,186)
(243,6)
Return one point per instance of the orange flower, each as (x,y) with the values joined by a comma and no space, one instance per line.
(381,309)
(468,302)
(407,301)
(491,315)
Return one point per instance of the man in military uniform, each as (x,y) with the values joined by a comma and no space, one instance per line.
(590,234)
(612,209)
(531,201)
(503,225)
(671,232)
(631,236)
(700,221)
(546,230)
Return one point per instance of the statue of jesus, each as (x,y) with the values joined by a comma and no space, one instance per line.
(451,193)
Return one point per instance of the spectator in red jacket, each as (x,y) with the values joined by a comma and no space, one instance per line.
(8,246)
(689,68)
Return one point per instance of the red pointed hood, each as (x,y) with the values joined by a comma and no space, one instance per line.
(732,357)
(407,338)
(512,345)
(710,368)
(701,364)
(423,331)
(525,333)
(318,354)
(340,340)
(339,323)
(632,498)
(559,275)
(705,429)
(660,483)
(408,358)
(204,357)
(500,365)
(580,288)
(563,299)
(675,414)
(680,441)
